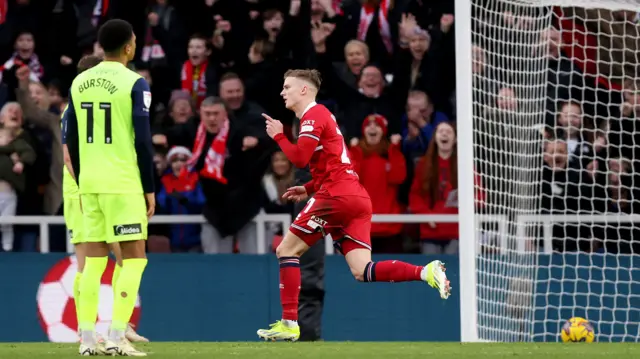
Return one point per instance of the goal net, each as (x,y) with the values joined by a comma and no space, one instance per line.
(556,126)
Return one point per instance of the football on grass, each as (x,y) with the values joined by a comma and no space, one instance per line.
(577,329)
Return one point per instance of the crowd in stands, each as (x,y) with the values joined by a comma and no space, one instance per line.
(388,69)
(585,125)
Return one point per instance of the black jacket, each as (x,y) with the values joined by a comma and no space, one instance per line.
(231,206)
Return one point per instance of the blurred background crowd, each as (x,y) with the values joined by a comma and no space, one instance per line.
(389,77)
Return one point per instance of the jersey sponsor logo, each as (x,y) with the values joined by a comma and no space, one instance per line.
(319,220)
(306,128)
(146,97)
(126,229)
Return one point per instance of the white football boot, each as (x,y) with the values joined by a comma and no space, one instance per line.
(134,337)
(433,274)
(123,347)
(93,349)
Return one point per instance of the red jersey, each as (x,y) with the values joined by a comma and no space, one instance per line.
(322,147)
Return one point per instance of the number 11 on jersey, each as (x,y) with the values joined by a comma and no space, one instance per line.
(106,108)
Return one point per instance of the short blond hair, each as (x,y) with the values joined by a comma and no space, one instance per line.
(310,75)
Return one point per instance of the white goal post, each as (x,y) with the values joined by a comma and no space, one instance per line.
(551,135)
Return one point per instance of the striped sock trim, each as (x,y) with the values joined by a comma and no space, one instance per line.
(289,262)
(370,272)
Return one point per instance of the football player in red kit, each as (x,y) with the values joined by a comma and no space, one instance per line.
(340,206)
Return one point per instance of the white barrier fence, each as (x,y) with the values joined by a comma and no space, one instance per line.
(522,223)
(547,221)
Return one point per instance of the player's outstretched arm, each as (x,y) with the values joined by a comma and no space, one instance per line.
(300,153)
(70,140)
(141,100)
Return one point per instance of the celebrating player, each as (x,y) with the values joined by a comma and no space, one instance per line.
(106,130)
(340,206)
(73,218)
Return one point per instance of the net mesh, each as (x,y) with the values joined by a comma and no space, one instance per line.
(556,92)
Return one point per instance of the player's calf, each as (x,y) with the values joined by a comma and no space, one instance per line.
(126,289)
(288,253)
(365,270)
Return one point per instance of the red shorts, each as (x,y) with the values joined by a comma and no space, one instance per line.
(346,218)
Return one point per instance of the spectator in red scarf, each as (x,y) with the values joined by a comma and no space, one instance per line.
(382,168)
(435,191)
(376,23)
(230,163)
(24,55)
(198,78)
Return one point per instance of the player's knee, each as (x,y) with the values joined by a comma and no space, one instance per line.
(358,272)
(291,246)
(358,275)
(284,250)
(358,261)
(133,249)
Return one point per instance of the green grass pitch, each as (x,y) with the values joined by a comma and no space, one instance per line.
(342,350)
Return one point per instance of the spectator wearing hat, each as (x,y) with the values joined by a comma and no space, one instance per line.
(382,169)
(181,194)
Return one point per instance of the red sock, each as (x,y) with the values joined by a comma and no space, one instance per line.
(391,271)
(290,282)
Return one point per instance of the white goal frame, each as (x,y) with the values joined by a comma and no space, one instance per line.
(466,178)
(469,247)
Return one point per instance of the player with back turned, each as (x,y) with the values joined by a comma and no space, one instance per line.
(339,207)
(73,217)
(107,134)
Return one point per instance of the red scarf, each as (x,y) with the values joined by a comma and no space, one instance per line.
(100,11)
(194,80)
(214,162)
(152,49)
(37,71)
(366,17)
(4,7)
(337,6)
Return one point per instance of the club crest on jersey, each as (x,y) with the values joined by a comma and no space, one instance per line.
(146,97)
(126,229)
